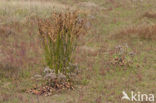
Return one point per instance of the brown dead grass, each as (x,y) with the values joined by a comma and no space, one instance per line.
(150,15)
(147,32)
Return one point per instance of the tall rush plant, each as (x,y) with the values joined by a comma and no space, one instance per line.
(59,34)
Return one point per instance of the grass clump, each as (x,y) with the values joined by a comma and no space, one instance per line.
(60,33)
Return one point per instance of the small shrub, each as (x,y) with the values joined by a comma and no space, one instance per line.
(123,56)
(59,34)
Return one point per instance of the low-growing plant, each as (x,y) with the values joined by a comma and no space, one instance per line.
(123,56)
(60,33)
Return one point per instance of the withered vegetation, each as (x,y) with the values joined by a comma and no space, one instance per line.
(147,32)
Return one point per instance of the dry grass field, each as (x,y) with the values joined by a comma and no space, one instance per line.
(117,54)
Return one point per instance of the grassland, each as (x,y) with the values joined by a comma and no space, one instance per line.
(126,24)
